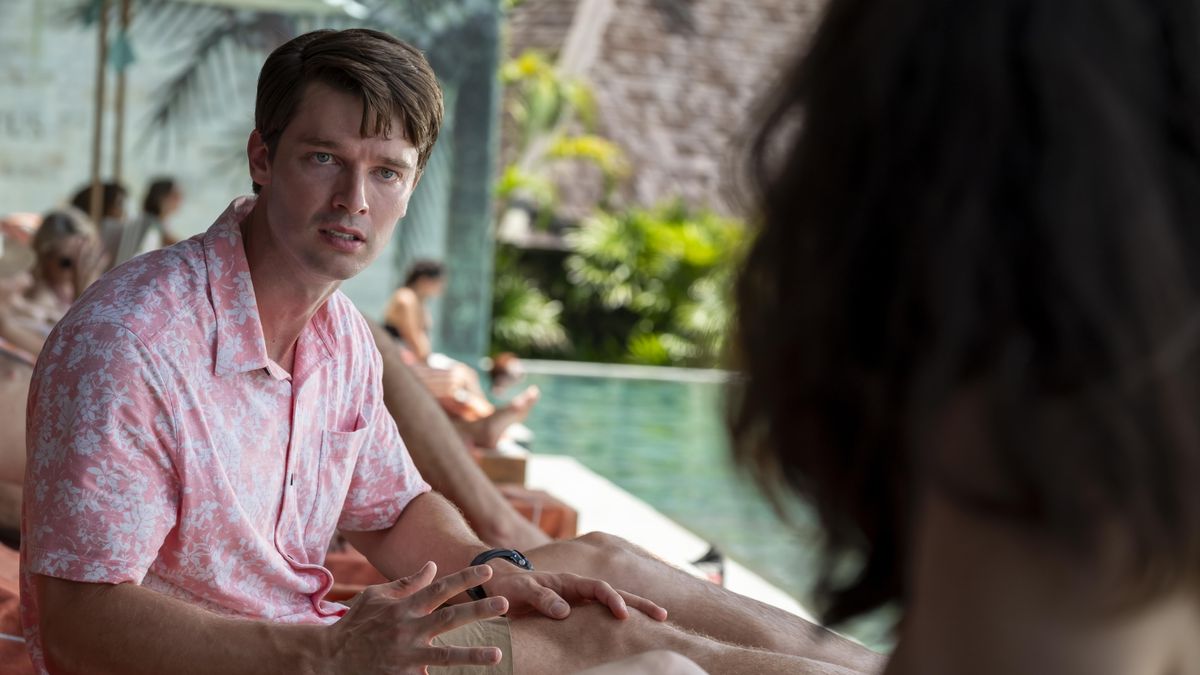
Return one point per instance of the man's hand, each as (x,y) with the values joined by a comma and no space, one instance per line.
(390,626)
(553,593)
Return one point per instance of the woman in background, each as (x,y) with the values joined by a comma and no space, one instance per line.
(152,231)
(70,257)
(113,223)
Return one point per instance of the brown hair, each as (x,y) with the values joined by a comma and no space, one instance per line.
(424,269)
(990,203)
(112,199)
(58,225)
(156,195)
(393,78)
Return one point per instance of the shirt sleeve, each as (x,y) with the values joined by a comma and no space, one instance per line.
(101,492)
(385,478)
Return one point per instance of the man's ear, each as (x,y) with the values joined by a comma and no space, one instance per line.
(260,159)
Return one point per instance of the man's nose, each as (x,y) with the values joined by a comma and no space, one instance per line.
(350,192)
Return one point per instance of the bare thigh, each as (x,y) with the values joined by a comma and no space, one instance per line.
(591,637)
(700,606)
(14,390)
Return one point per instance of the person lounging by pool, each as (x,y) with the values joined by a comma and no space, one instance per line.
(455,385)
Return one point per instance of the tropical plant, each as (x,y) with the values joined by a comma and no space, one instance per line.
(543,106)
(540,99)
(220,48)
(525,319)
(667,271)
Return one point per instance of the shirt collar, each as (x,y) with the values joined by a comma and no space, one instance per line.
(241,346)
(240,343)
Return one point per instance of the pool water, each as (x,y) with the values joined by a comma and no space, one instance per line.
(664,441)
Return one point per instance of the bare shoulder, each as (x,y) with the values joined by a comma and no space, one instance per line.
(406,297)
(988,596)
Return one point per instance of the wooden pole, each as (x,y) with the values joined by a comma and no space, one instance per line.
(98,130)
(119,130)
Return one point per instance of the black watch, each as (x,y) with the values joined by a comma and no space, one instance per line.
(511,555)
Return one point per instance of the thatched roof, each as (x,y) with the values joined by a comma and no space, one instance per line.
(676,83)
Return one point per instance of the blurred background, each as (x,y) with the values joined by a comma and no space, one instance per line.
(579,197)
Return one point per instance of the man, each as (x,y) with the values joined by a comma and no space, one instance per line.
(205,418)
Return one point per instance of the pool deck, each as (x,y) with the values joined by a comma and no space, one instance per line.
(605,507)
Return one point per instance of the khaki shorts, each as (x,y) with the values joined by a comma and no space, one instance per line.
(488,633)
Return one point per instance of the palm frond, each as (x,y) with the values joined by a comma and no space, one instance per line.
(211,75)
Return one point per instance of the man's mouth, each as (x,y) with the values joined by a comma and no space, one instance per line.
(345,236)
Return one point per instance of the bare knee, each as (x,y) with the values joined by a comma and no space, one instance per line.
(656,662)
(603,540)
(607,550)
(582,555)
(668,663)
(588,638)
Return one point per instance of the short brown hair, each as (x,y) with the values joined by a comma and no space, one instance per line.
(393,78)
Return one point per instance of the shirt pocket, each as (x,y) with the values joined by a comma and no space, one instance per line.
(335,469)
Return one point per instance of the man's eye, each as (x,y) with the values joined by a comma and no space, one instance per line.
(322,157)
(388,174)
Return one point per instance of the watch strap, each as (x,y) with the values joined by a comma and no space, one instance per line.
(510,554)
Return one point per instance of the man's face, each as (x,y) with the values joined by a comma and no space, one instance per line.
(332,196)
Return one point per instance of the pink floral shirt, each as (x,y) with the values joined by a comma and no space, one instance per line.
(167,449)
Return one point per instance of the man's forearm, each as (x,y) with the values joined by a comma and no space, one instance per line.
(125,629)
(444,537)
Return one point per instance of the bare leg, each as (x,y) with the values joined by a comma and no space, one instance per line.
(14,389)
(590,637)
(487,432)
(657,662)
(700,606)
(442,457)
(470,379)
(10,505)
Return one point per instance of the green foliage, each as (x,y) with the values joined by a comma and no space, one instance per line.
(668,269)
(524,319)
(540,98)
(542,104)
(597,150)
(516,181)
(644,286)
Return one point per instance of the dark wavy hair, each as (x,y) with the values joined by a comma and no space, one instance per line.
(393,78)
(156,195)
(424,269)
(112,199)
(995,202)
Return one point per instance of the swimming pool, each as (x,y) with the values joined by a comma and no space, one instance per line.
(659,434)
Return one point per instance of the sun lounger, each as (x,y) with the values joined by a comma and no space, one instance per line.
(14,660)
